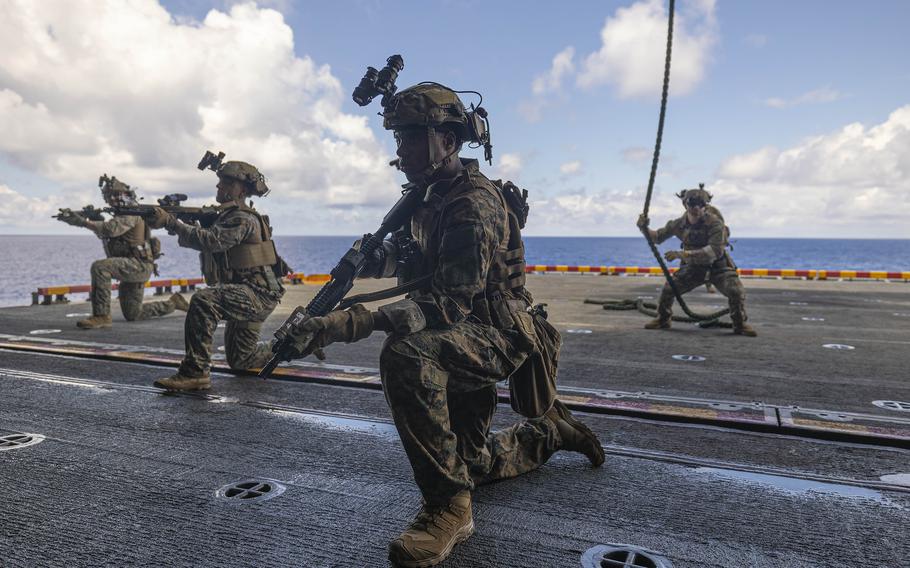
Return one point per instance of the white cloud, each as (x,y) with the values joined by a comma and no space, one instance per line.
(570,168)
(509,165)
(606,213)
(562,66)
(837,184)
(851,183)
(823,95)
(631,57)
(124,88)
(27,214)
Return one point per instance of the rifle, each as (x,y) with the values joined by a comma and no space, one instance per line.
(342,276)
(205,215)
(89,212)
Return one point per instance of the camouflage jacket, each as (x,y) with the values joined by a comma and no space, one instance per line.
(231,229)
(704,240)
(462,229)
(235,226)
(123,236)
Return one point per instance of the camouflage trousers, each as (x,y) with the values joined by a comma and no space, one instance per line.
(689,277)
(441,388)
(132,274)
(244,308)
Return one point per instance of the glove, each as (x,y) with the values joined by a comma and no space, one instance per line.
(72,218)
(313,334)
(643,222)
(160,219)
(672,255)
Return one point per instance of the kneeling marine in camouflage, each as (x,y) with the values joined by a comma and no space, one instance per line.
(242,271)
(467,325)
(703,258)
(131,253)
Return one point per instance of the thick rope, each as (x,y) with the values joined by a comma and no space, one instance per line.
(692,316)
(650,309)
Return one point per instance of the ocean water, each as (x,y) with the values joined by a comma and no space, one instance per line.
(29,262)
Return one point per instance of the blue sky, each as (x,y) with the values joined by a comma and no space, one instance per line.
(762,103)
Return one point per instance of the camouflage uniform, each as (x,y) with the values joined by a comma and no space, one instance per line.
(129,263)
(243,297)
(440,382)
(707,261)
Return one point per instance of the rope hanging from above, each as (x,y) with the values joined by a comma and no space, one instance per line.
(710,319)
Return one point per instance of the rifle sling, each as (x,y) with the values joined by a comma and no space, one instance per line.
(385,294)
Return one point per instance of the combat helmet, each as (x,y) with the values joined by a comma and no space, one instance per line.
(432,105)
(240,171)
(115,191)
(426,105)
(700,194)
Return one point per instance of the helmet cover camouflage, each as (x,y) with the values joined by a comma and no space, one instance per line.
(245,173)
(112,189)
(700,194)
(425,105)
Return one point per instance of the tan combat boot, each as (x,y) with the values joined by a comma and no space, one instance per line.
(745,329)
(179,302)
(180,382)
(658,323)
(94,322)
(431,536)
(576,437)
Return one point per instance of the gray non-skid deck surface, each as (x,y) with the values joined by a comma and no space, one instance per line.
(127,476)
(787,364)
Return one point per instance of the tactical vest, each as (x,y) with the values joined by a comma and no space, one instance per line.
(246,263)
(696,236)
(506,274)
(135,243)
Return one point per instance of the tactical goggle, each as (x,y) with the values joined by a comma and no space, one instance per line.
(695,203)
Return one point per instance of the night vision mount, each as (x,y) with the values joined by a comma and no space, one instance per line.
(110,182)
(375,83)
(211,161)
(382,82)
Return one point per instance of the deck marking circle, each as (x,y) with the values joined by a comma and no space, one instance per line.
(78,315)
(16,441)
(898,405)
(690,358)
(838,346)
(251,490)
(813,319)
(622,556)
(43,331)
(580,331)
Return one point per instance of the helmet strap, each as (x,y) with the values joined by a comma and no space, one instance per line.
(434,164)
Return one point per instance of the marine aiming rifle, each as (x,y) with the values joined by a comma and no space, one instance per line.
(342,277)
(89,212)
(205,215)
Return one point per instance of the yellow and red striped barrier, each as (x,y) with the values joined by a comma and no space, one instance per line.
(57,294)
(301,278)
(748,272)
